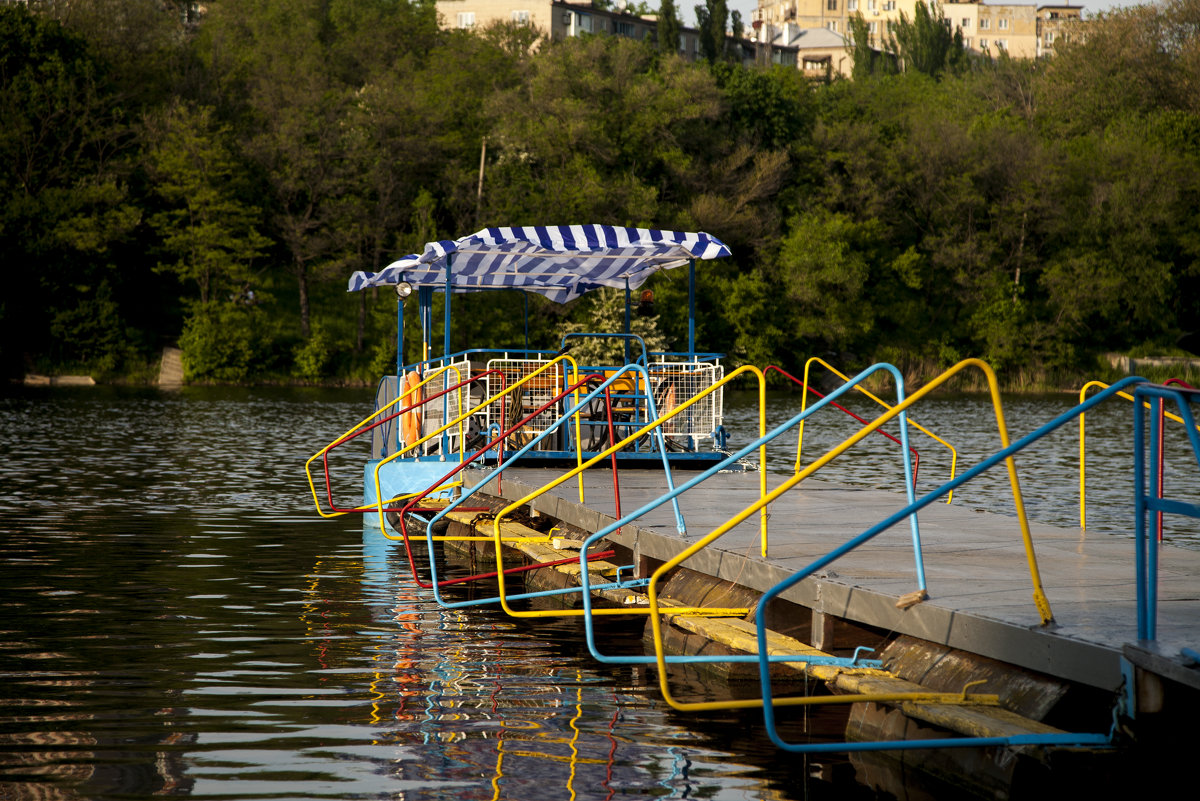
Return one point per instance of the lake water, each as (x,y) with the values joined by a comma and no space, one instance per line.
(174,620)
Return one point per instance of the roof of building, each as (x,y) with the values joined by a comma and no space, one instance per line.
(810,38)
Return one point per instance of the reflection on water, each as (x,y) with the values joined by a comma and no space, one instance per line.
(174,621)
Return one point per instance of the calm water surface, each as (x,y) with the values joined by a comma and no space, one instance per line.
(175,621)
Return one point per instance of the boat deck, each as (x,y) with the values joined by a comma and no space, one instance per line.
(977,574)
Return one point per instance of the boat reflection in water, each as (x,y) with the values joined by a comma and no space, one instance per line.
(521,719)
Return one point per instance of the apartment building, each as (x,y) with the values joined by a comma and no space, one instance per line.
(1054,26)
(1022,31)
(819,52)
(832,15)
(559,20)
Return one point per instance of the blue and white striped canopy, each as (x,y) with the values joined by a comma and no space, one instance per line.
(560,261)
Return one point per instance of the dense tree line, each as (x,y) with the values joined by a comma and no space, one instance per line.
(214,184)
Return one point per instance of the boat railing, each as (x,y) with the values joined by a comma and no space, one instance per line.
(674,376)
(1158,434)
(529,393)
(503,396)
(667,384)
(409,403)
(580,402)
(418,503)
(864,391)
(677,382)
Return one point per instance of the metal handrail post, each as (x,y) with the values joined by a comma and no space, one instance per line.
(1147,555)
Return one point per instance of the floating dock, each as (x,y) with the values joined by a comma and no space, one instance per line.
(979,586)
(978,626)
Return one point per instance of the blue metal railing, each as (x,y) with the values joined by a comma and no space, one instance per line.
(1146,559)
(769,716)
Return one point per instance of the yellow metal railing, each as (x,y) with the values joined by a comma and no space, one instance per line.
(1083,444)
(1039,595)
(884,404)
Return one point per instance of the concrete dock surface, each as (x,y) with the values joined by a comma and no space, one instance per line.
(980,590)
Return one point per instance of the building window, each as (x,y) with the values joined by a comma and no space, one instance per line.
(623,28)
(984,24)
(871,5)
(831,5)
(1049,38)
(983,44)
(872,28)
(889,5)
(1002,25)
(966,23)
(520,17)
(967,43)
(466,19)
(1002,44)
(891,26)
(832,25)
(852,5)
(583,23)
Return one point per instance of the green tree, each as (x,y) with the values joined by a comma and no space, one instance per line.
(711,19)
(669,27)
(868,60)
(597,129)
(925,43)
(65,210)
(207,228)
(603,311)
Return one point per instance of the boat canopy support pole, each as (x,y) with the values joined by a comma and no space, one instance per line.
(692,307)
(446,358)
(399,339)
(446,332)
(628,329)
(425,298)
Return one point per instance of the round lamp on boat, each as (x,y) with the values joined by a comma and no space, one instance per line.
(403,290)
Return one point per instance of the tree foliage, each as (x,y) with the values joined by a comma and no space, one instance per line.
(711,21)
(669,27)
(925,42)
(215,184)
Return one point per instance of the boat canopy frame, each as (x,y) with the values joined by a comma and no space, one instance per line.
(559,262)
